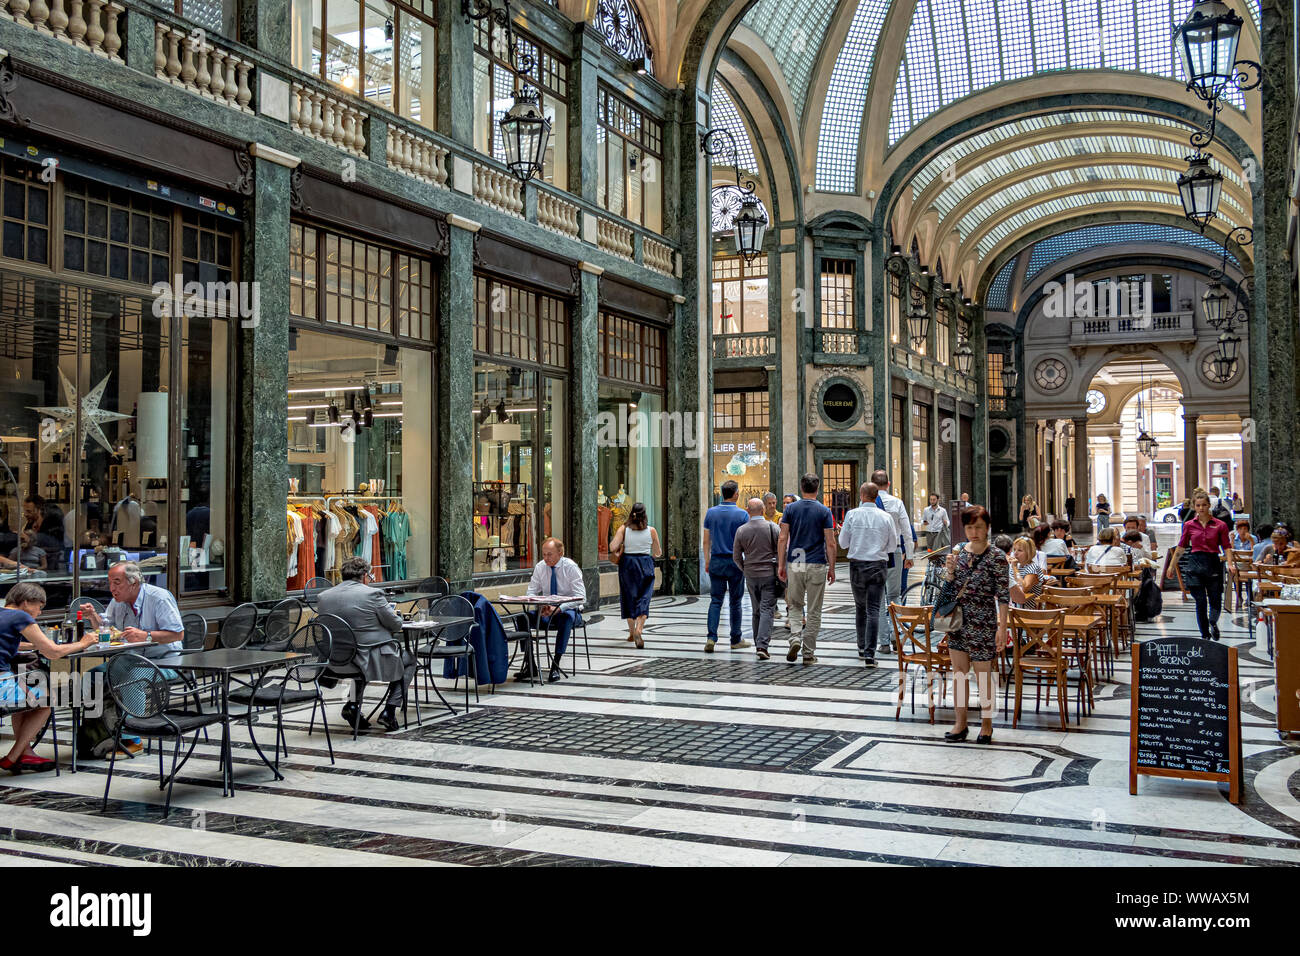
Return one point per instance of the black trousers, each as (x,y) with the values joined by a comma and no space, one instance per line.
(867,579)
(1207,570)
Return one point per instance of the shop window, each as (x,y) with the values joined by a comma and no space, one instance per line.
(25,204)
(630,466)
(921,456)
(125,487)
(385,52)
(839,488)
(629,161)
(116,234)
(739,295)
(997,393)
(896,407)
(741,442)
(358,411)
(495,83)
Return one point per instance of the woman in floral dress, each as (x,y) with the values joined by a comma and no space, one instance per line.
(977,577)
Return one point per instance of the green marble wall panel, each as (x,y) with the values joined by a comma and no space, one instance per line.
(266,25)
(583,401)
(455,358)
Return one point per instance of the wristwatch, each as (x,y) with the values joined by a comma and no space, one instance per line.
(149,636)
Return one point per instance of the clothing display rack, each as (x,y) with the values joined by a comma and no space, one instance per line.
(388,562)
(503,523)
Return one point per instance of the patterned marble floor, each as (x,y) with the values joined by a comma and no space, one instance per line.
(669,756)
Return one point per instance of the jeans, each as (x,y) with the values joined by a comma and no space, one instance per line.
(725,579)
(762,595)
(868,581)
(893,592)
(806,585)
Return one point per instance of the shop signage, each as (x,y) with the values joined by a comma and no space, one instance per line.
(839,403)
(1186,715)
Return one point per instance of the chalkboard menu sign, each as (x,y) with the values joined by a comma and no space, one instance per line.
(1186,717)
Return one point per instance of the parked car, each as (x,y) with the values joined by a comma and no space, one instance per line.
(1167,515)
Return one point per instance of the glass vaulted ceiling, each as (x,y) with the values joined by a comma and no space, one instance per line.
(846,98)
(794,31)
(725,114)
(1052,250)
(957,47)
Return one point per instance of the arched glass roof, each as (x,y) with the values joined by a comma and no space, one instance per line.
(999,297)
(958,47)
(794,30)
(846,98)
(1067,244)
(724,113)
(1053,207)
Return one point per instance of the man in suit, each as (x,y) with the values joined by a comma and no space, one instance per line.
(376,627)
(561,576)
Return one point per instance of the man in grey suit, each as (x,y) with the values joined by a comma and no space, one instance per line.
(376,627)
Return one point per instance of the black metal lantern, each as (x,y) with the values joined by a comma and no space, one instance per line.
(898,270)
(749,227)
(1207,46)
(1010,378)
(1214,305)
(1221,370)
(918,319)
(1145,442)
(525,133)
(1229,346)
(964,359)
(1200,188)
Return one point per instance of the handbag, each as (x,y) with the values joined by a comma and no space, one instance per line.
(780,585)
(947,616)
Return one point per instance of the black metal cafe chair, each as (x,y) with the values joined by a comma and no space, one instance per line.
(450,642)
(343,662)
(281,624)
(70,615)
(297,683)
(143,696)
(238,629)
(313,590)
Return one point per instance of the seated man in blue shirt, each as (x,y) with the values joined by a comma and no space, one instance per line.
(145,614)
(556,574)
(721,522)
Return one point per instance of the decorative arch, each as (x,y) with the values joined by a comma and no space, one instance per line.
(620,24)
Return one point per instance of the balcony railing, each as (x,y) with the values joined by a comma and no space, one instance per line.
(195,63)
(840,341)
(94,25)
(1161,327)
(744,345)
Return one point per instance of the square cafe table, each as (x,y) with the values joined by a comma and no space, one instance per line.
(536,602)
(225,662)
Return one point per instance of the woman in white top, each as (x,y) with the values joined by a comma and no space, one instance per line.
(1106,552)
(635,547)
(937,523)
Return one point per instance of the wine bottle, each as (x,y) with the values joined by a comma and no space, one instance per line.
(81,625)
(65,491)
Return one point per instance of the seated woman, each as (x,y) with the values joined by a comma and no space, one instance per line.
(1280,549)
(1026,578)
(1107,552)
(19,631)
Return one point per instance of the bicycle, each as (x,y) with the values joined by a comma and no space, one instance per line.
(925,591)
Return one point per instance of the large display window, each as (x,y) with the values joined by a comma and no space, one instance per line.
(519,448)
(113,418)
(740,442)
(632,427)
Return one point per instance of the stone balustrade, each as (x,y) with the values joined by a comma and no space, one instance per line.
(192,62)
(558,214)
(657,256)
(94,25)
(329,119)
(498,189)
(614,238)
(417,156)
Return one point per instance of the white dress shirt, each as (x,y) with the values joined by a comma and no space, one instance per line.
(935,518)
(868,534)
(902,523)
(568,580)
(1106,556)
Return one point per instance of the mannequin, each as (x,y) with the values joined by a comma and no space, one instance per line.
(603,516)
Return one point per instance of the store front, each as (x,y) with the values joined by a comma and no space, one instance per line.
(114,413)
(360,402)
(741,442)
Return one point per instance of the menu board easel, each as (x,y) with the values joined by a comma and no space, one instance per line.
(1185,719)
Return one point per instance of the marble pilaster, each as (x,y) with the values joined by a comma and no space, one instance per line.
(455,73)
(267,25)
(980,431)
(583,403)
(259,422)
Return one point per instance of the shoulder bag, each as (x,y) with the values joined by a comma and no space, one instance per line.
(947,616)
(780,585)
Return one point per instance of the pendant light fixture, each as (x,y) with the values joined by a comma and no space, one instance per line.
(750,224)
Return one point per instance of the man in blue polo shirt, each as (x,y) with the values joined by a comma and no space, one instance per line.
(720,525)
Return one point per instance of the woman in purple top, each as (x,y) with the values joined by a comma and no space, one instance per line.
(19,632)
(1204,536)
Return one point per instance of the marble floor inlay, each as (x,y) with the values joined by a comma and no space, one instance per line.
(673,756)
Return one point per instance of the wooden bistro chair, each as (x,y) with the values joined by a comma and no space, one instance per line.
(1041,655)
(1084,627)
(1241,575)
(913,637)
(1113,597)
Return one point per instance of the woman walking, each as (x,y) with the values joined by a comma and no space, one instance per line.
(1204,536)
(635,547)
(1103,512)
(976,580)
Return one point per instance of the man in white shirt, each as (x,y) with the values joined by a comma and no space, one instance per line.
(901,556)
(936,521)
(556,574)
(1131,523)
(869,535)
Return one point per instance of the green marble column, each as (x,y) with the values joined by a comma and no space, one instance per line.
(880,393)
(1275,454)
(267,26)
(583,77)
(583,401)
(455,357)
(979,490)
(260,421)
(455,74)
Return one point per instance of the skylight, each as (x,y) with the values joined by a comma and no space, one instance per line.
(846,98)
(725,115)
(1044,254)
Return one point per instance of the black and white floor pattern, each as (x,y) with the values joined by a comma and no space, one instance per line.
(670,756)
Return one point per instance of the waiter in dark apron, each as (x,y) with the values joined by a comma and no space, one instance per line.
(1204,538)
